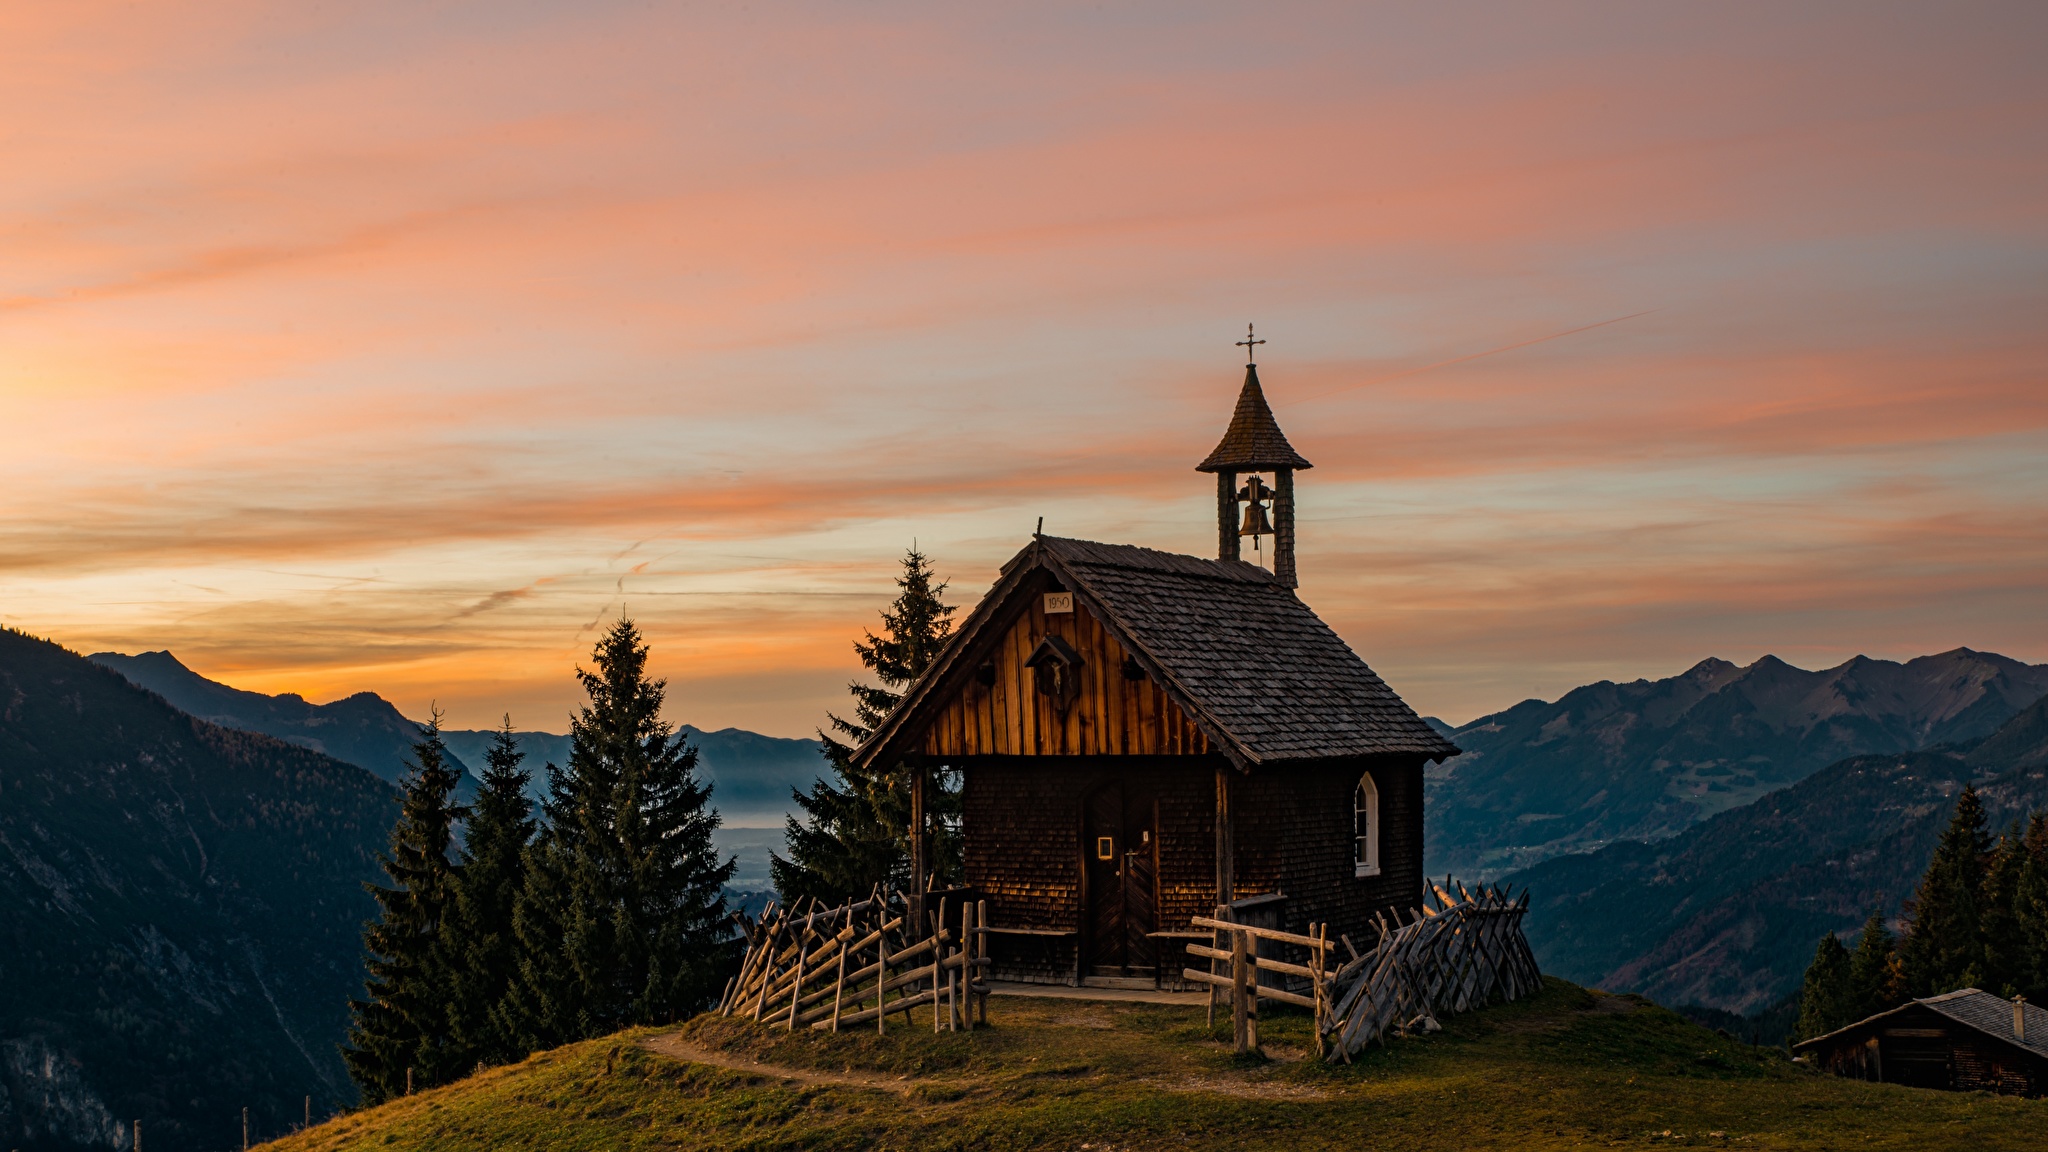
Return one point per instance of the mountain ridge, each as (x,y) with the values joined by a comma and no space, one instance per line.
(362,728)
(752,773)
(1724,914)
(1646,759)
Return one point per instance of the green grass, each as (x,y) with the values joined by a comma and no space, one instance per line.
(1567,1069)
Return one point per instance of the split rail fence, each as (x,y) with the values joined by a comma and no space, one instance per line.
(833,968)
(1459,951)
(863,962)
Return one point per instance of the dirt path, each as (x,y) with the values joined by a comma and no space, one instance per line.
(676,1048)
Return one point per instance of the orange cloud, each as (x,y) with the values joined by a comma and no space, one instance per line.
(391,347)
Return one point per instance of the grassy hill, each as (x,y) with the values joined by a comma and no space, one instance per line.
(1567,1069)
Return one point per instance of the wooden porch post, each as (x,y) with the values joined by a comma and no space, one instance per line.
(1226,848)
(918,870)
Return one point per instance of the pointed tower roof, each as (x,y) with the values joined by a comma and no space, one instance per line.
(1253,442)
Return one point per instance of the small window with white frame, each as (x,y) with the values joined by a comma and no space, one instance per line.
(1366,828)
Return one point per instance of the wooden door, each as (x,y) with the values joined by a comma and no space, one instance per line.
(1121,843)
(1141,881)
(1103,844)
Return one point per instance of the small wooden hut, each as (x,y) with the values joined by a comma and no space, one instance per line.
(1143,736)
(1963,1041)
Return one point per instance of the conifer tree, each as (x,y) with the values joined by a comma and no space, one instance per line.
(2030,910)
(2006,965)
(2030,913)
(1944,949)
(622,919)
(401,1023)
(478,937)
(855,833)
(1870,970)
(1825,998)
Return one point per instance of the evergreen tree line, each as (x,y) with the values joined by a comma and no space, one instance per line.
(1979,919)
(602,911)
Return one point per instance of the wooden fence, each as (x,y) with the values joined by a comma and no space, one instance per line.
(846,966)
(1459,952)
(833,968)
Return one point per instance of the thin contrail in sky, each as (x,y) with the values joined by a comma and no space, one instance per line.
(1407,372)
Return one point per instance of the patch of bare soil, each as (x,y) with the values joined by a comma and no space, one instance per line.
(676,1048)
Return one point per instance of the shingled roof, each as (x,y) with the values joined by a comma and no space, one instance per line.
(1974,1008)
(1256,670)
(1253,442)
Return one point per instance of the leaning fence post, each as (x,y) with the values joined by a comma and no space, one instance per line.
(882,977)
(796,987)
(839,988)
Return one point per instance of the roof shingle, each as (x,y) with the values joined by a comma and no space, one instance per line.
(1975,1008)
(1254,666)
(1253,442)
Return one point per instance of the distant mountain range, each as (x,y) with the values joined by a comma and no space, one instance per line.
(1645,760)
(363,729)
(1725,914)
(752,774)
(180,913)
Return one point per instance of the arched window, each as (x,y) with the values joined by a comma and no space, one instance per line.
(1366,827)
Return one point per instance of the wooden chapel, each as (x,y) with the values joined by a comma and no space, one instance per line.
(1142,736)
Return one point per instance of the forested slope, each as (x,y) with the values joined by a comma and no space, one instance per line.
(1725,914)
(180,909)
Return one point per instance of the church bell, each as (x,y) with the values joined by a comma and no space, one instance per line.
(1254,494)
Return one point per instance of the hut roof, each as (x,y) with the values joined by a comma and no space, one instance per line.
(1972,1007)
(1262,675)
(1253,442)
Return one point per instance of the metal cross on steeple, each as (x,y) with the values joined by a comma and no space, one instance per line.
(1249,343)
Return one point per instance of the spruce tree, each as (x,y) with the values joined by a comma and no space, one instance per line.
(622,919)
(1870,970)
(478,937)
(1944,948)
(401,1024)
(2031,910)
(855,832)
(2006,961)
(1825,998)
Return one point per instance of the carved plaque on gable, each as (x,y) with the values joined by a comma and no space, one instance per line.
(1056,602)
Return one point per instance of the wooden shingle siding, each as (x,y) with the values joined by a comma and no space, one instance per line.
(1022,823)
(1112,717)
(1294,835)
(1022,819)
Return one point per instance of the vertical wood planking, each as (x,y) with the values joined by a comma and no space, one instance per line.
(1111,717)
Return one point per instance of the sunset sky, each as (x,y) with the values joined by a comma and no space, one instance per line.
(397,347)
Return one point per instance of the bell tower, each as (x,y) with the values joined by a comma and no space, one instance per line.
(1251,446)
